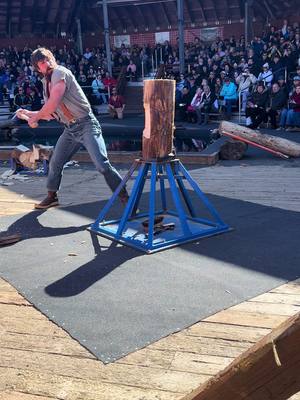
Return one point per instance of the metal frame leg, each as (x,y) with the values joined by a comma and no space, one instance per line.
(132,201)
(177,202)
(184,191)
(114,196)
(152,204)
(162,188)
(202,196)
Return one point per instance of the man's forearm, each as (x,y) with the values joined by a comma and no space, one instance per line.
(47,110)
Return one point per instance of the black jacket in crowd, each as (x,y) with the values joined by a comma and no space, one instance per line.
(278,100)
(260,99)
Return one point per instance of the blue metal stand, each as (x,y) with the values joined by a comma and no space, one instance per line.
(189,225)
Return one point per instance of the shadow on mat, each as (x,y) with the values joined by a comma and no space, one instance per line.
(105,261)
(265,239)
(29,227)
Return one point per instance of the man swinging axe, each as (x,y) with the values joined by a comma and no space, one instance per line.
(66,102)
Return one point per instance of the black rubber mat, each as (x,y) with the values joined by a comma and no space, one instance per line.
(115,300)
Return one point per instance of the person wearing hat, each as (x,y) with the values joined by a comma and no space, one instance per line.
(266,75)
(229,94)
(244,81)
(296,80)
(256,105)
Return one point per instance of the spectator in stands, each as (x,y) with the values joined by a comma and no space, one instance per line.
(116,105)
(99,90)
(109,82)
(266,75)
(36,103)
(22,100)
(290,117)
(193,107)
(245,81)
(277,67)
(277,101)
(256,106)
(229,94)
(206,106)
(131,71)
(82,80)
(183,102)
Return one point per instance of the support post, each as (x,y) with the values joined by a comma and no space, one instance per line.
(79,36)
(181,35)
(106,35)
(248,21)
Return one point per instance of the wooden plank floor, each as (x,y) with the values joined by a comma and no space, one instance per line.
(40,361)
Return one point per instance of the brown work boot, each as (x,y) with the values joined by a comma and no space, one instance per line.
(50,201)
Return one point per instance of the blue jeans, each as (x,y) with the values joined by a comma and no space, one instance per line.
(289,117)
(86,132)
(228,106)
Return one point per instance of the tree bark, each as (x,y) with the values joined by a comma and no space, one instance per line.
(274,143)
(268,370)
(233,150)
(159,104)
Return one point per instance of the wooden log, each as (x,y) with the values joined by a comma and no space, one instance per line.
(233,150)
(274,143)
(268,370)
(159,104)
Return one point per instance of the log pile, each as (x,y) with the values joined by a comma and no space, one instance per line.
(282,147)
(29,158)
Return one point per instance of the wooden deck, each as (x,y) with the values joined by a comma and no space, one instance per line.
(40,361)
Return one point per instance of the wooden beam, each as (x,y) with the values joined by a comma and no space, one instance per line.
(8,22)
(268,370)
(151,11)
(214,9)
(142,15)
(77,8)
(268,8)
(202,10)
(165,13)
(130,15)
(119,17)
(21,13)
(189,12)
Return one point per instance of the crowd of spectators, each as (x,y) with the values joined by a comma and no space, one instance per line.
(262,77)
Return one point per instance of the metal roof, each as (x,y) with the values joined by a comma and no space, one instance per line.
(49,17)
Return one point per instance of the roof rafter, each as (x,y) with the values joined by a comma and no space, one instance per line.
(165,13)
(202,10)
(189,11)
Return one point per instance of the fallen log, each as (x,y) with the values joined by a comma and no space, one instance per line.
(273,143)
(268,370)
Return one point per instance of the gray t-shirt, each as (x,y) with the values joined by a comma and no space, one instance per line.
(74,98)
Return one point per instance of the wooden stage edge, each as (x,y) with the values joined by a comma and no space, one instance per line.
(127,157)
(40,361)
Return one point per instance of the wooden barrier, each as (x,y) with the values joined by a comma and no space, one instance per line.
(268,370)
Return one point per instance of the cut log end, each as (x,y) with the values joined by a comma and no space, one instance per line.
(233,150)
